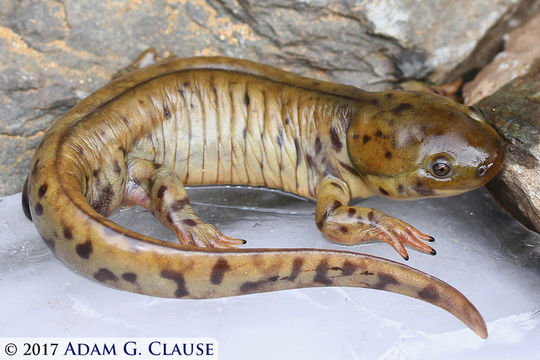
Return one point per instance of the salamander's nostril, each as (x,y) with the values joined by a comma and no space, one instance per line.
(482,170)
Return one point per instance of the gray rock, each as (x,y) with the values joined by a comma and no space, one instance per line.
(55,53)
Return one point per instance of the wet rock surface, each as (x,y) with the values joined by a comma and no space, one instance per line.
(56,52)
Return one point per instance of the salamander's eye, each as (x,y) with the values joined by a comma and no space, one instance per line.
(440,168)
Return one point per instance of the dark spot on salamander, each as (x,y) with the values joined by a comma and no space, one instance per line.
(287,119)
(380,134)
(42,190)
(189,222)
(250,286)
(218,271)
(348,268)
(68,234)
(334,138)
(273,278)
(321,273)
(279,140)
(244,133)
(178,205)
(116,167)
(178,278)
(421,189)
(298,152)
(104,275)
(351,212)
(374,102)
(344,229)
(246,99)
(429,293)
(166,111)
(130,277)
(367,273)
(38,209)
(103,202)
(297,266)
(366,138)
(388,155)
(401,107)
(185,83)
(382,191)
(371,216)
(309,161)
(348,168)
(400,188)
(161,191)
(318,145)
(385,280)
(84,249)
(95,173)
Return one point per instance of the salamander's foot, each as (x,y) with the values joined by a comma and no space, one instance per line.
(350,225)
(160,190)
(397,233)
(195,233)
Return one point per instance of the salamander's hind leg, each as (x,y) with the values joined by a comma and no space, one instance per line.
(158,189)
(352,225)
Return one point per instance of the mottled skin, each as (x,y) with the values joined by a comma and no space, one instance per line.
(198,121)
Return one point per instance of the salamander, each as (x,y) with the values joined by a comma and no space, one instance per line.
(216,120)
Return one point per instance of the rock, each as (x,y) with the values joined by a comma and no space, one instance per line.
(521,49)
(54,53)
(514,110)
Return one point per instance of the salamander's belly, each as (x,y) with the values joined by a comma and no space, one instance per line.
(243,131)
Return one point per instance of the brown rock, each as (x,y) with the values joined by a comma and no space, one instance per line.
(521,49)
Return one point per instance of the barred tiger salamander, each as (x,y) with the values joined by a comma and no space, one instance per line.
(216,120)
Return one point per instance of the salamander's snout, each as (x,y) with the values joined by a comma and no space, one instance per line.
(490,150)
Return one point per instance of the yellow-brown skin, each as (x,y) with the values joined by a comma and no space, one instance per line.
(204,121)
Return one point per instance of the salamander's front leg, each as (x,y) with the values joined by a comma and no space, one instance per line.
(350,225)
(158,189)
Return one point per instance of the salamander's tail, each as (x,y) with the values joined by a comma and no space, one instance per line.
(121,258)
(287,269)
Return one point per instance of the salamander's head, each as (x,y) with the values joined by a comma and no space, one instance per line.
(417,144)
